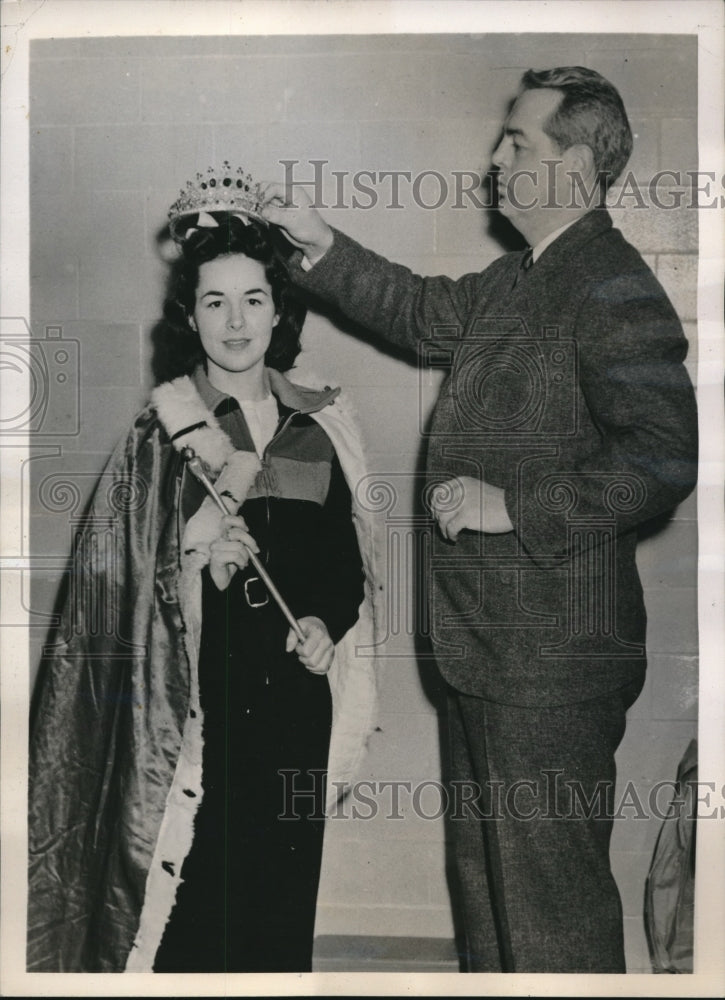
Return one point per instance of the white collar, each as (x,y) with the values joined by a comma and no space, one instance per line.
(548,240)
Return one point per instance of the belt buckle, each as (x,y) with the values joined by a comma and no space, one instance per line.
(262,592)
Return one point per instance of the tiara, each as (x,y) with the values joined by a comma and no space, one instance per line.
(215,191)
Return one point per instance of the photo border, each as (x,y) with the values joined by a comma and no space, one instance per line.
(24,20)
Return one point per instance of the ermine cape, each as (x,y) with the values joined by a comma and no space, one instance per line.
(116,745)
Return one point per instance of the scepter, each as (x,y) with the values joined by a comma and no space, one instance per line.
(197,469)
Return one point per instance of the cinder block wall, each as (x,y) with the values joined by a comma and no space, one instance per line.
(117,127)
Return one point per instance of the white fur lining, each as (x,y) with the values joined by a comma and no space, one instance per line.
(179,405)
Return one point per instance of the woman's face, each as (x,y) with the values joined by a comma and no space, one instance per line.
(234,313)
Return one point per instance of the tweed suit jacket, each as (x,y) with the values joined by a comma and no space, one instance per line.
(565,386)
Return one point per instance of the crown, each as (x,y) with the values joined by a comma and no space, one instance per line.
(215,191)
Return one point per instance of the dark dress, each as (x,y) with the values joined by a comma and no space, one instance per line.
(248,896)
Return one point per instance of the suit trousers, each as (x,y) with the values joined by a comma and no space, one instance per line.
(532,793)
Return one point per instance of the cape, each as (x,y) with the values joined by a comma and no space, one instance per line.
(116,736)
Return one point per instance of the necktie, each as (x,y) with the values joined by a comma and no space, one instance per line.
(525,264)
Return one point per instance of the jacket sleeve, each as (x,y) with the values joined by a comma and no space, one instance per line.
(636,391)
(386,298)
(339,582)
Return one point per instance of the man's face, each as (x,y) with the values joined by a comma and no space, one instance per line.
(526,182)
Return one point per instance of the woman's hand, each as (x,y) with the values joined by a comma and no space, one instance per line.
(317,651)
(230,551)
(290,208)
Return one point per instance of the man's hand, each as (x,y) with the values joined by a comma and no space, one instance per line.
(472,504)
(301,223)
(317,651)
(230,551)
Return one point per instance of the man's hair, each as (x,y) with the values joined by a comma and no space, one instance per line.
(590,112)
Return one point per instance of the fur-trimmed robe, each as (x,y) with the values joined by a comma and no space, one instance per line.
(116,746)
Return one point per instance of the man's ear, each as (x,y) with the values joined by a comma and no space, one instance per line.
(579,159)
(275,321)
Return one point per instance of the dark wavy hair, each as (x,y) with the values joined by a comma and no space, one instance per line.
(177,347)
(590,112)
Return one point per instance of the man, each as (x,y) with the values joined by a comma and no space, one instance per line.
(566,421)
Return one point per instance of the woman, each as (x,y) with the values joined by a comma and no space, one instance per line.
(165,749)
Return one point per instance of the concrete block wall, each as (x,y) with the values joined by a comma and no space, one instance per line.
(117,127)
